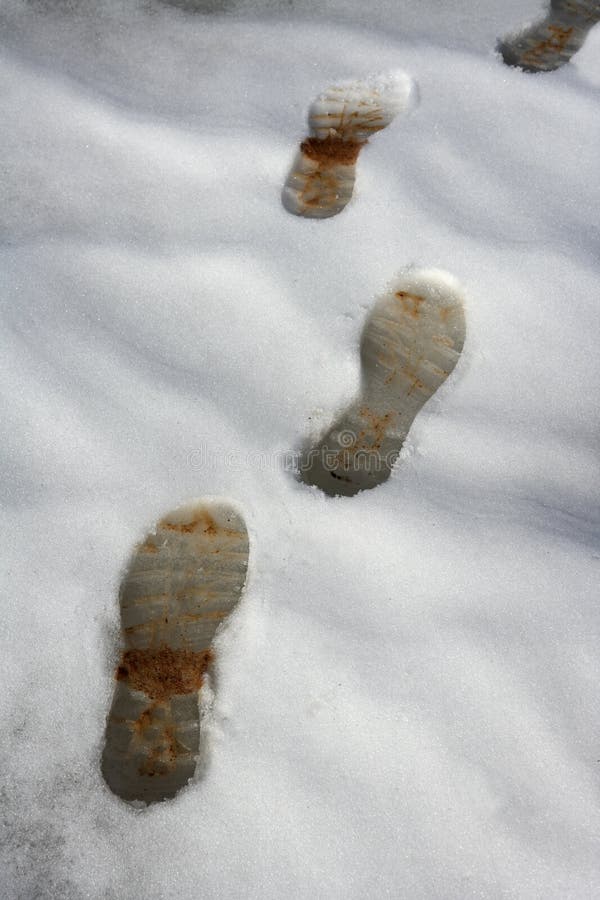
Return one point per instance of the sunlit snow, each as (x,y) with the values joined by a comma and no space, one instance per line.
(407,701)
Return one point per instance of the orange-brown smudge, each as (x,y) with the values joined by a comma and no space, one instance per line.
(319,189)
(148,547)
(411,303)
(163,672)
(413,378)
(331,151)
(376,428)
(557,42)
(202,521)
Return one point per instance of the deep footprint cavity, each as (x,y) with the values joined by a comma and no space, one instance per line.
(180,584)
(410,344)
(341,120)
(551,43)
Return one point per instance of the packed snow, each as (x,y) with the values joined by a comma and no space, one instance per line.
(406,701)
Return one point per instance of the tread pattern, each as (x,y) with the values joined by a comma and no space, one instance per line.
(549,44)
(181,583)
(341,121)
(410,345)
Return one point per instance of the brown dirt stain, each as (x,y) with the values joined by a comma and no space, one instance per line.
(148,547)
(331,151)
(411,303)
(375,431)
(556,43)
(163,672)
(202,521)
(415,382)
(144,721)
(369,440)
(319,191)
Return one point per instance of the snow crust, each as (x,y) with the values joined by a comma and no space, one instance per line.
(407,701)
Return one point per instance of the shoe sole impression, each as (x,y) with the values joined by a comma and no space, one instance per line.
(180,585)
(410,344)
(549,44)
(341,121)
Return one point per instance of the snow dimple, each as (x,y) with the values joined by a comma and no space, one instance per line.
(411,343)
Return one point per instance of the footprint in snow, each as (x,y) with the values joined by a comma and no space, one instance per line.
(341,121)
(549,44)
(181,583)
(410,344)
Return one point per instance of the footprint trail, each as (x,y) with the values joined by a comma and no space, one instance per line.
(181,583)
(410,345)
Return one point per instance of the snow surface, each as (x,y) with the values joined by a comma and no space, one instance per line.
(407,701)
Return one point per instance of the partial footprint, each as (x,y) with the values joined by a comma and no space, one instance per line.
(181,583)
(551,43)
(410,344)
(341,121)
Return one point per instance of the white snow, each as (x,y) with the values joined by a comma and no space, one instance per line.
(408,697)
